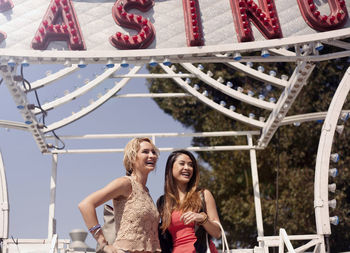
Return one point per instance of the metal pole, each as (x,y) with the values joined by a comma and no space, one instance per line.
(255,179)
(53,181)
(4,204)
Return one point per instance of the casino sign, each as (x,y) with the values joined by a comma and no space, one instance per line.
(148,24)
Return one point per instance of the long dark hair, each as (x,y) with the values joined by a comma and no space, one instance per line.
(191,202)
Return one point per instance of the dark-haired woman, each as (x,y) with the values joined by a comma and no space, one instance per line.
(187,213)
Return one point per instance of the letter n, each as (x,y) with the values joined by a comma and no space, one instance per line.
(264,17)
(59,24)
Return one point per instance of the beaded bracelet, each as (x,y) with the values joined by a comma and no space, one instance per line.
(94,228)
(96,232)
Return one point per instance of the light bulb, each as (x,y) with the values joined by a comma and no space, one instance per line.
(167,62)
(334,220)
(237,56)
(333,172)
(332,187)
(110,64)
(265,53)
(335,157)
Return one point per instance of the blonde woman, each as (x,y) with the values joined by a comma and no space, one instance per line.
(136,217)
(187,213)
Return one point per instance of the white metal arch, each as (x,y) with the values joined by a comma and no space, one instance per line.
(53,78)
(78,92)
(212,104)
(93,106)
(278,82)
(324,153)
(226,90)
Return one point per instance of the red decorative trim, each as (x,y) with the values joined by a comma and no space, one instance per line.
(144,27)
(337,18)
(6,5)
(50,30)
(264,16)
(193,23)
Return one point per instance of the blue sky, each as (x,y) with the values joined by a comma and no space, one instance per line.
(28,171)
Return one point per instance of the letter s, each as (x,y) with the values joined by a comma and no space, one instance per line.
(146,32)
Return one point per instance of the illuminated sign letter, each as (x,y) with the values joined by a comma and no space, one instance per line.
(146,32)
(50,29)
(315,20)
(193,23)
(5,5)
(264,16)
(2,36)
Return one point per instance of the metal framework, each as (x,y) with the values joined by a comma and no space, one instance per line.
(301,50)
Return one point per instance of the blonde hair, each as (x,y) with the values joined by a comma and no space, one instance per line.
(131,149)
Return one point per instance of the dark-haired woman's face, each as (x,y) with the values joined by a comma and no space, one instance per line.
(182,169)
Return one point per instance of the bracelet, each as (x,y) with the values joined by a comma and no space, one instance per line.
(96,231)
(205,219)
(94,228)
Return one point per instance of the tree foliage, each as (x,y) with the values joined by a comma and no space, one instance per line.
(286,166)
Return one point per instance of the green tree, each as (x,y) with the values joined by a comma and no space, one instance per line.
(286,166)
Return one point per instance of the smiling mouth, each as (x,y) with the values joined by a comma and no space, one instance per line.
(186,174)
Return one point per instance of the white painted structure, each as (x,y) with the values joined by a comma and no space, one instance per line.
(4,203)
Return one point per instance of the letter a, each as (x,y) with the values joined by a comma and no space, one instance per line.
(51,30)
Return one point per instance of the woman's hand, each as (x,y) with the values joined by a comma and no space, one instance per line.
(109,249)
(189,217)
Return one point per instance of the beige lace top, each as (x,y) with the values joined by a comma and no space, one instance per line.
(136,220)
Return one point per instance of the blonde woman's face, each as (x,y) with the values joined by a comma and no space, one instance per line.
(182,169)
(146,157)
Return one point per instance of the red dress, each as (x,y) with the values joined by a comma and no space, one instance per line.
(184,235)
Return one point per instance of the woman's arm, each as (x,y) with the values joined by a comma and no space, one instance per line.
(205,219)
(211,227)
(117,188)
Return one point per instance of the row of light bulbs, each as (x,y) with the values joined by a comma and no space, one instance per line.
(110,63)
(239,89)
(333,172)
(250,93)
(265,53)
(223,103)
(25,109)
(82,64)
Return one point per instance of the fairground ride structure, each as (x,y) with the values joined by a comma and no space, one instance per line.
(302,47)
